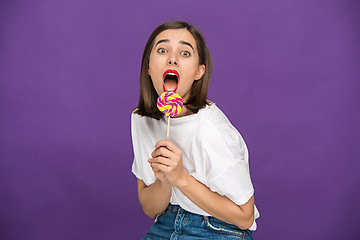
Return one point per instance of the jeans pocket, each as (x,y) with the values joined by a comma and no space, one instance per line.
(222,227)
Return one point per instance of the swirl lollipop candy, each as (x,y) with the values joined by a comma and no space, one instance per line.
(170,104)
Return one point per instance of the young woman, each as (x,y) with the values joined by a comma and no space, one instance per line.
(196,185)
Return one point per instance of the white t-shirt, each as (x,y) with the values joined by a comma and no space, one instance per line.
(213,152)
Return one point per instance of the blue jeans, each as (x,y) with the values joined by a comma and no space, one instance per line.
(177,223)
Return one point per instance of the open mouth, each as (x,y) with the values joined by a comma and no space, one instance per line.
(171,80)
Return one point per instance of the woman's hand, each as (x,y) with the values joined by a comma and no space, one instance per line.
(158,174)
(166,162)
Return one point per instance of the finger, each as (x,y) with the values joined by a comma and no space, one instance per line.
(162,168)
(153,166)
(161,160)
(160,175)
(162,151)
(169,145)
(155,169)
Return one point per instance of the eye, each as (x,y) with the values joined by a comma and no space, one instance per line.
(162,50)
(185,54)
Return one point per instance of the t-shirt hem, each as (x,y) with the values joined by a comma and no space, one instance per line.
(245,198)
(137,175)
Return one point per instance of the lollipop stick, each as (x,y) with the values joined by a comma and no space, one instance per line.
(167,134)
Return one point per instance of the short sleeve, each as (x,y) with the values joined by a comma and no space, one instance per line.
(140,167)
(227,168)
(135,169)
(234,183)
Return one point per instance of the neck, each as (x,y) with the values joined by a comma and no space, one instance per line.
(184,112)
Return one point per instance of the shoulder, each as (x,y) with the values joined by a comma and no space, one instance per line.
(214,117)
(144,126)
(140,123)
(217,128)
(135,116)
(138,119)
(135,119)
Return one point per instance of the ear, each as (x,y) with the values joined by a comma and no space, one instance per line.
(200,72)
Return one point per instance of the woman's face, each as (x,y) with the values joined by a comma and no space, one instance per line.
(174,62)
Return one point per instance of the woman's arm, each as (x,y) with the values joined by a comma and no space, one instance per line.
(216,205)
(155,198)
(167,158)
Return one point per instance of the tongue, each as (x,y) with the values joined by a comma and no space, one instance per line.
(170,85)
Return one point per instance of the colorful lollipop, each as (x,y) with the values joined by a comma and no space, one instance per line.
(170,104)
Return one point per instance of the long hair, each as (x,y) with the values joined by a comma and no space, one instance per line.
(198,93)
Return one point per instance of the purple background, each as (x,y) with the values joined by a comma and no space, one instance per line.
(286,73)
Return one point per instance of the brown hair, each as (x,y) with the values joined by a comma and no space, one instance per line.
(148,95)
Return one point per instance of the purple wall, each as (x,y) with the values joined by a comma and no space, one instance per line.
(286,73)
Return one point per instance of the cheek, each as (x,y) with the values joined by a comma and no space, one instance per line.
(154,66)
(152,61)
(150,67)
(193,72)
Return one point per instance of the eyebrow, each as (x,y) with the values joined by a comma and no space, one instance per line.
(161,41)
(186,43)
(182,42)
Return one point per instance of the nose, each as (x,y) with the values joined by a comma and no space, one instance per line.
(172,61)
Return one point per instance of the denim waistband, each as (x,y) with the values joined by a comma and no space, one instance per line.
(173,208)
(176,223)
(176,208)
